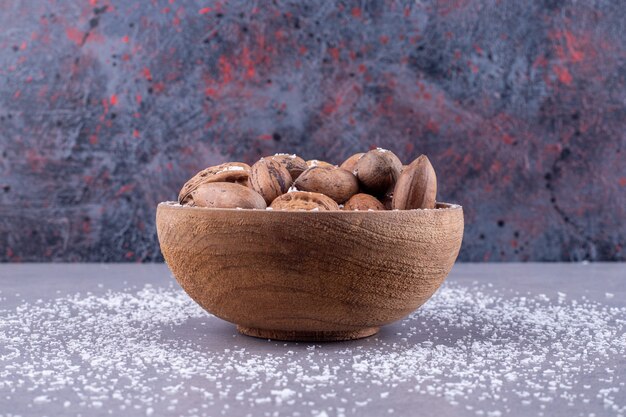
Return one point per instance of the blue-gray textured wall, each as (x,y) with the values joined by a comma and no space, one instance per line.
(107,107)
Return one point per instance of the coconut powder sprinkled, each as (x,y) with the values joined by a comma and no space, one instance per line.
(479,351)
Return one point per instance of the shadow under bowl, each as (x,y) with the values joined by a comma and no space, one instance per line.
(309,276)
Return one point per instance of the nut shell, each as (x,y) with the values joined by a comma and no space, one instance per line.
(269,178)
(334,182)
(236,172)
(311,163)
(294,164)
(227,195)
(303,200)
(363,202)
(416,187)
(378,171)
(350,163)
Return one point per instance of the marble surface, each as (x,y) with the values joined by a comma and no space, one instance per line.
(496,340)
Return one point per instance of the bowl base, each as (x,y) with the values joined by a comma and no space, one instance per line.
(308,336)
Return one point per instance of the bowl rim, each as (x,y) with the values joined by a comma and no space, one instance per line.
(443,207)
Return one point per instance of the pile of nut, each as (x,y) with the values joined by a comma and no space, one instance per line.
(375,180)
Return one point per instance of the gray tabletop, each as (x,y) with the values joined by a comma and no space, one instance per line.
(496,340)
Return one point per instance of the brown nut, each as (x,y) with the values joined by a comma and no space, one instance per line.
(317,163)
(350,163)
(294,164)
(303,200)
(363,202)
(227,195)
(378,171)
(416,187)
(334,182)
(236,172)
(269,178)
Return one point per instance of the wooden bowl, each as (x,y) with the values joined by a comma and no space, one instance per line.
(309,276)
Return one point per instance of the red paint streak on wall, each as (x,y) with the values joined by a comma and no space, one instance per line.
(95,37)
(572,46)
(147,74)
(540,62)
(125,39)
(204,10)
(553,148)
(159,87)
(331,107)
(225,69)
(432,126)
(569,47)
(180,12)
(562,74)
(74,35)
(280,35)
(86,226)
(334,53)
(124,189)
(113,100)
(210,92)
(247,62)
(35,161)
(356,12)
(448,6)
(496,167)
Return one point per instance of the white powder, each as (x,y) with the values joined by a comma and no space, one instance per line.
(283,395)
(472,347)
(291,156)
(231,168)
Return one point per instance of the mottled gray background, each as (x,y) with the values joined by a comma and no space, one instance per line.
(107,107)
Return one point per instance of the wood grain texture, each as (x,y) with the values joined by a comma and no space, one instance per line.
(309,275)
